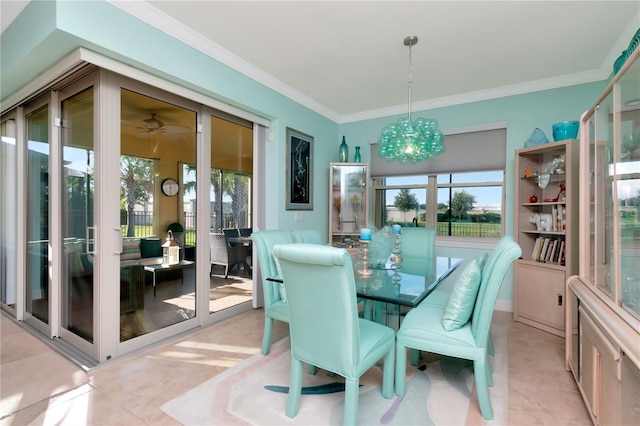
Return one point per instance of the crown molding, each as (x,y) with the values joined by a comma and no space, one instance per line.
(167,24)
(150,15)
(483,95)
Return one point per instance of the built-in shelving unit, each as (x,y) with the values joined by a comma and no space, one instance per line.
(546,224)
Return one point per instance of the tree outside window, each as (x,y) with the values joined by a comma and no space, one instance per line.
(136,177)
(406,201)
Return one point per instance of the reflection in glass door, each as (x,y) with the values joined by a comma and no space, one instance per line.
(156,137)
(230,189)
(77,214)
(8,203)
(38,244)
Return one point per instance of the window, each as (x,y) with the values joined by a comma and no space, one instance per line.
(460,192)
(467,205)
(470,205)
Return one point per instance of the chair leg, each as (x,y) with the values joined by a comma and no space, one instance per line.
(415,356)
(387,374)
(351,396)
(482,388)
(367,310)
(490,349)
(226,270)
(401,369)
(313,370)
(487,363)
(267,336)
(379,312)
(295,388)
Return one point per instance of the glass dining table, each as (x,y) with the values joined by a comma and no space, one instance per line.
(406,283)
(247,242)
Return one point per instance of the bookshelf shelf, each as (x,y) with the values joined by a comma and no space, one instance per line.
(547,243)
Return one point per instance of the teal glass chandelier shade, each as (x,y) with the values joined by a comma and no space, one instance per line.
(411,141)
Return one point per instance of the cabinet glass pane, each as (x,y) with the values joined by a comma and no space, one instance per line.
(348,186)
(348,203)
(602,192)
(627,174)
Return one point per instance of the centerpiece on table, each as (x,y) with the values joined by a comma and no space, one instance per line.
(382,242)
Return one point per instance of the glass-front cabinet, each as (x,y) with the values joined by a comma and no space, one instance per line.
(348,202)
(603,333)
(611,138)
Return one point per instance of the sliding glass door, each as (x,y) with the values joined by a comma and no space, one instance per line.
(77,213)
(38,249)
(156,139)
(85,252)
(8,212)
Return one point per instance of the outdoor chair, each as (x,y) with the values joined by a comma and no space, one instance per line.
(223,254)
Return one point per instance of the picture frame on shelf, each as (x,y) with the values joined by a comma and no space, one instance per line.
(299,165)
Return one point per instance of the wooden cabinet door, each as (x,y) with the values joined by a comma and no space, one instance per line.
(539,294)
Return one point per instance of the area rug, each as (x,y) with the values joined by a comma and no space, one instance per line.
(254,393)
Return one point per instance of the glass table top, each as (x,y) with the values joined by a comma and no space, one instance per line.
(407,285)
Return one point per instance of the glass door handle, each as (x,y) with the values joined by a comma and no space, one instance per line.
(91,244)
(118,240)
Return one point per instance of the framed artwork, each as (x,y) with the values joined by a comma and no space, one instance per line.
(299,171)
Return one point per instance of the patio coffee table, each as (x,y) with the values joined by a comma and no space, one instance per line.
(154,268)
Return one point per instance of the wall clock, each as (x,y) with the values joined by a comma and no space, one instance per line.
(170,187)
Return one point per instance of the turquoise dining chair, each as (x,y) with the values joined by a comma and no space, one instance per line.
(275,306)
(325,330)
(309,236)
(418,253)
(424,329)
(418,243)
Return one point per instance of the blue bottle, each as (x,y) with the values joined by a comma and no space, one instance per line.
(356,156)
(343,152)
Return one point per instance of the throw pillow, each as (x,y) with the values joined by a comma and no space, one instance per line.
(150,247)
(130,250)
(87,261)
(483,259)
(462,298)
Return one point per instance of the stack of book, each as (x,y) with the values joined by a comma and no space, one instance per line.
(558,218)
(548,250)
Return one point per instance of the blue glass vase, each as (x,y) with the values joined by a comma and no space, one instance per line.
(343,151)
(356,156)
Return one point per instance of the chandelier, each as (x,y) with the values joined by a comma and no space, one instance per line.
(411,141)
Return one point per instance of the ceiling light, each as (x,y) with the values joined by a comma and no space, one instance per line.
(409,141)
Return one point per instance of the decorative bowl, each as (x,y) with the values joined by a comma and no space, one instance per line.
(565,130)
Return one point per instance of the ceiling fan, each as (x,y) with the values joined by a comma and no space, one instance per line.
(153,125)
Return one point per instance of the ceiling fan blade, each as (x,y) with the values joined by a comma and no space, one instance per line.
(133,123)
(176,136)
(177,129)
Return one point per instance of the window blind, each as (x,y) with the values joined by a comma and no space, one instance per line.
(465,152)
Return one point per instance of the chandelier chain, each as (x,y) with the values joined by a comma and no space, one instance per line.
(410,85)
(406,140)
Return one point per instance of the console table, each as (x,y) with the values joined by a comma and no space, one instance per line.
(162,267)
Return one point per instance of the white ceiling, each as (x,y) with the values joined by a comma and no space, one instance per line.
(346,59)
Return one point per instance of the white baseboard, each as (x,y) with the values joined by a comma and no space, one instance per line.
(504,305)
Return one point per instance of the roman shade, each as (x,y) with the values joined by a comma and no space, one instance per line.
(465,152)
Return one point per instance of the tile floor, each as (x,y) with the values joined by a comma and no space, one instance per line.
(40,387)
